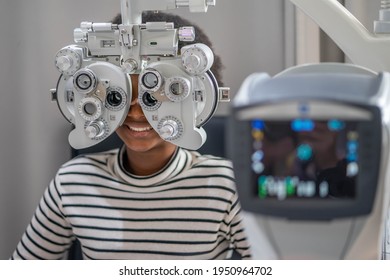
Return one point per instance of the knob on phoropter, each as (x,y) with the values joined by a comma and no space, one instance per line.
(151,80)
(85,81)
(170,128)
(95,129)
(197,58)
(177,88)
(68,60)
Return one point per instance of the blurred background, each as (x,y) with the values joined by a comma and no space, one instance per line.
(249,35)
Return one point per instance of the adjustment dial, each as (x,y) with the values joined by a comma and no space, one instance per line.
(96,130)
(177,88)
(85,81)
(150,80)
(197,59)
(68,61)
(170,128)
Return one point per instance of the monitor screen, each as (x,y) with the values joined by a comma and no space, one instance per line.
(307,159)
(304,158)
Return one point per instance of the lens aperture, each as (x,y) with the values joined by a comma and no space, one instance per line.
(149,100)
(90,109)
(114,98)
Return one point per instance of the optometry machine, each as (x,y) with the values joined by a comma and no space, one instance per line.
(313,164)
(177,91)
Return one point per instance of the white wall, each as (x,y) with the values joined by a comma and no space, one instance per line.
(33,133)
(247,34)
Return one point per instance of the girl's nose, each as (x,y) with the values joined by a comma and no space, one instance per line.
(134,101)
(135,108)
(134,89)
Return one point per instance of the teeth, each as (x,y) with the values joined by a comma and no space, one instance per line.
(140,129)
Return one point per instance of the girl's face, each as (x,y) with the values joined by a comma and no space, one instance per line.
(136,132)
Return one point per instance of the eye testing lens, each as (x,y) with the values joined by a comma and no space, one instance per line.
(148,100)
(114,98)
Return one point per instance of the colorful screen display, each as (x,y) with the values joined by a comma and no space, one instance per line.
(304,158)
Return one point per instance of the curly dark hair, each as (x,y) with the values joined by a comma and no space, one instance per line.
(178,21)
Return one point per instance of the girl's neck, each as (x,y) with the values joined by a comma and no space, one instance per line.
(148,162)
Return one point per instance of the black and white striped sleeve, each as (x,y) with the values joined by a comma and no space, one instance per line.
(48,236)
(237,231)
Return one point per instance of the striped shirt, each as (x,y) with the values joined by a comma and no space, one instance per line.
(188,210)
